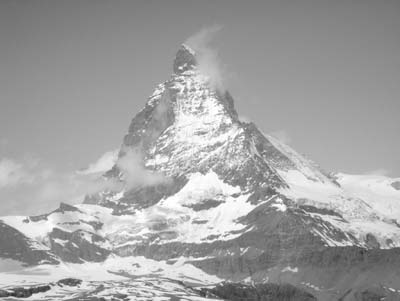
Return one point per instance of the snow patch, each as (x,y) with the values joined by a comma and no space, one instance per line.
(290,269)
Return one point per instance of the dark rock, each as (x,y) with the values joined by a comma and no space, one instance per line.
(61,209)
(36,218)
(371,241)
(396,185)
(205,205)
(75,248)
(24,292)
(324,211)
(69,282)
(64,207)
(185,60)
(15,245)
(259,292)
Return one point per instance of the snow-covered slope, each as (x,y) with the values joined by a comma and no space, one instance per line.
(205,197)
(378,191)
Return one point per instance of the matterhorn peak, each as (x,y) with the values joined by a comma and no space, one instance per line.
(197,195)
(185,59)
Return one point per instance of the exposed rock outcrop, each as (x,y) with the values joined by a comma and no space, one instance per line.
(15,245)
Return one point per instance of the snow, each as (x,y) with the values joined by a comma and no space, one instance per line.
(68,221)
(314,287)
(375,190)
(198,188)
(279,205)
(136,277)
(303,165)
(113,268)
(202,132)
(176,214)
(290,269)
(367,203)
(60,241)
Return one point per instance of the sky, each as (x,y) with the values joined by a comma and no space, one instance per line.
(324,76)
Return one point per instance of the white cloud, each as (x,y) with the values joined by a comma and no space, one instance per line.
(104,163)
(207,57)
(134,172)
(29,187)
(282,136)
(14,173)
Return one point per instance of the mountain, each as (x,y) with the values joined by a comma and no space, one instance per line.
(201,197)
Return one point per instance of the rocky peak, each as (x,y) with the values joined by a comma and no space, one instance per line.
(185,59)
(188,125)
(64,207)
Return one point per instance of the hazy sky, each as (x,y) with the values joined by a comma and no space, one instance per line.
(323,74)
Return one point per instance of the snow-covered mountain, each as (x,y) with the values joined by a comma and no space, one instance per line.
(204,198)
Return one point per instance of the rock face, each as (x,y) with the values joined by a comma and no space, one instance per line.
(259,292)
(217,193)
(65,234)
(78,246)
(188,131)
(16,246)
(22,292)
(188,126)
(396,185)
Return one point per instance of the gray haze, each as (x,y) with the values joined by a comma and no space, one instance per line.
(323,75)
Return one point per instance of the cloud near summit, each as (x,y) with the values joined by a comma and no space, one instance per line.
(207,56)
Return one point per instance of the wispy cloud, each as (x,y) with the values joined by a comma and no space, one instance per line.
(104,163)
(28,186)
(282,135)
(13,173)
(207,57)
(134,172)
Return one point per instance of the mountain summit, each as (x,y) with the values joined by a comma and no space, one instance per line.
(189,126)
(185,59)
(213,198)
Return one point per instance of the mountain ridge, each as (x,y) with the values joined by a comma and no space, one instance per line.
(205,193)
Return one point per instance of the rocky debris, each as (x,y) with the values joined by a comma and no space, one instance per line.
(396,185)
(24,292)
(313,209)
(205,205)
(28,291)
(258,292)
(15,245)
(69,282)
(64,207)
(91,298)
(36,218)
(369,294)
(78,246)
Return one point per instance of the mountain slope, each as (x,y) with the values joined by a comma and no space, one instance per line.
(202,192)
